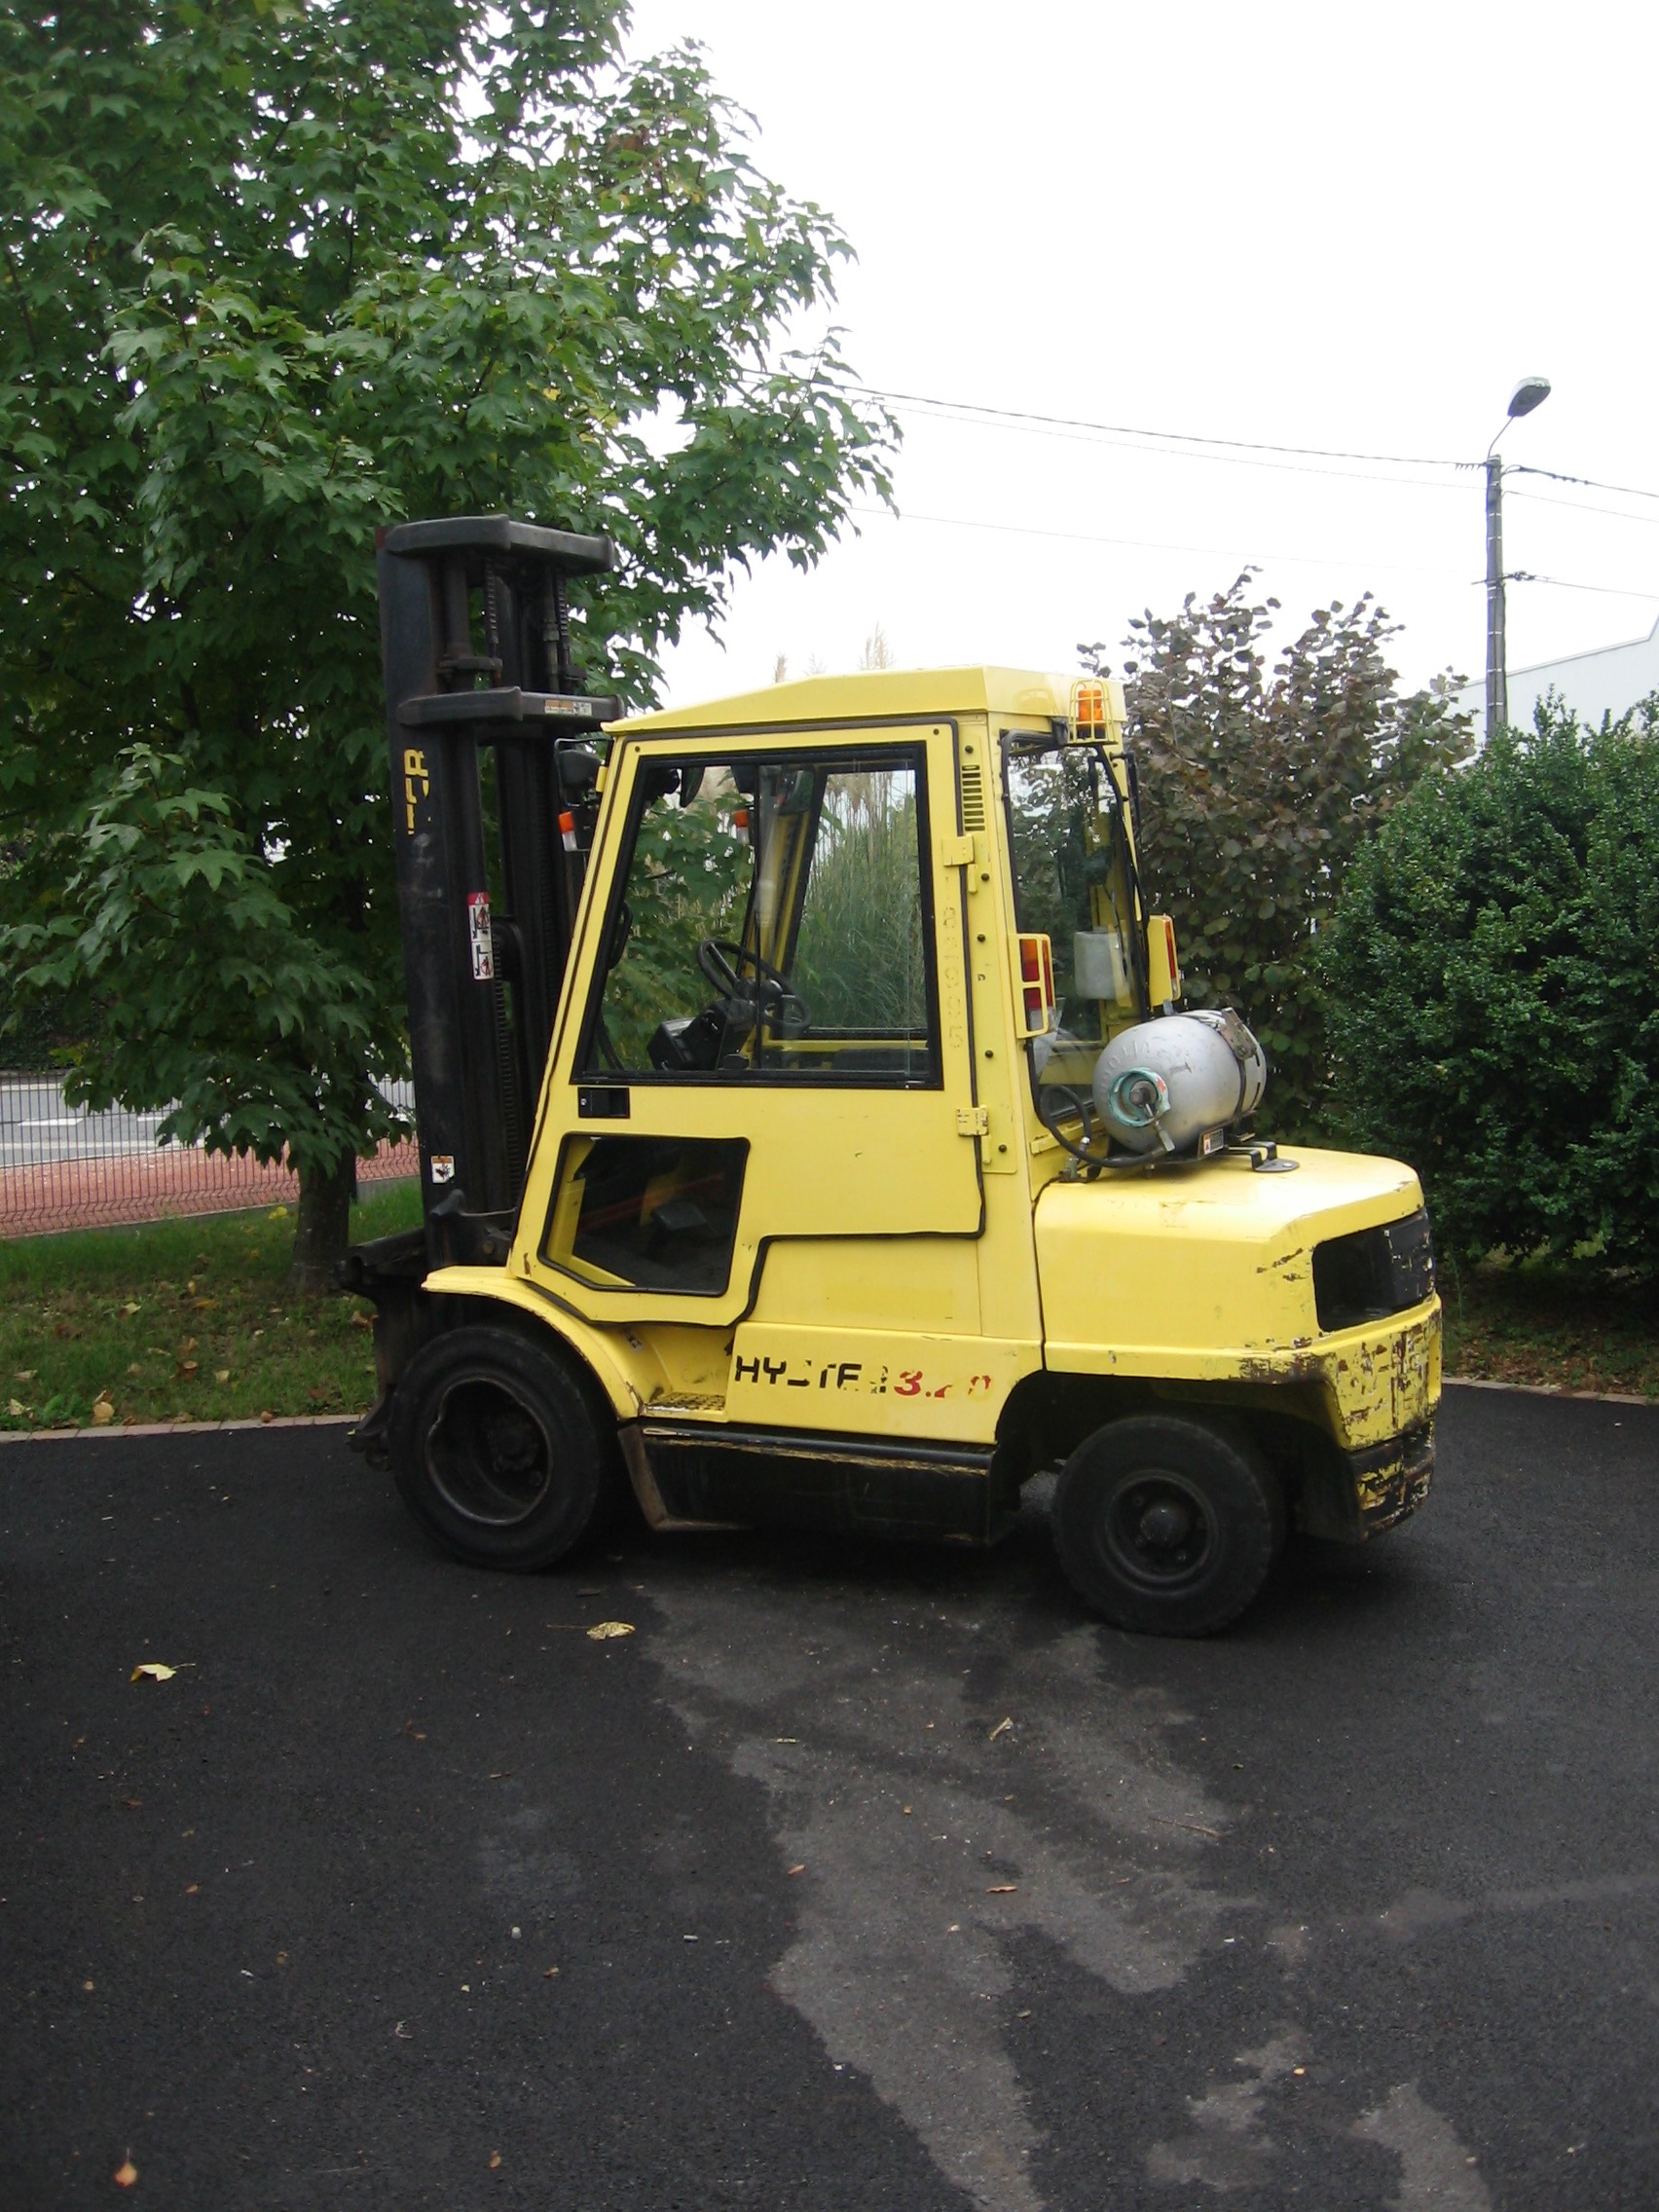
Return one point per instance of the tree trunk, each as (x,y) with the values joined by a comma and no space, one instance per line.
(323,1227)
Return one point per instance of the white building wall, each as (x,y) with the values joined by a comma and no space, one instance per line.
(1606,682)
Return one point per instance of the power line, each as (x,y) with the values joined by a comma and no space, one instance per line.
(1590,483)
(1133,430)
(1231,553)
(1156,544)
(1129,443)
(1583,508)
(1561,583)
(986,417)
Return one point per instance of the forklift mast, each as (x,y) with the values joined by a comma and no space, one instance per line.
(492,787)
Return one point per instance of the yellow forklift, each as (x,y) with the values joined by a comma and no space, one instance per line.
(811,1133)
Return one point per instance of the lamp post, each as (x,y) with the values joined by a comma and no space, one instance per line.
(1529,392)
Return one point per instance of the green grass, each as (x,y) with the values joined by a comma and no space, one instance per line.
(182,1320)
(1564,1327)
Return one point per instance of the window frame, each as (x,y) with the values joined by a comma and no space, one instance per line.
(585,1272)
(846,752)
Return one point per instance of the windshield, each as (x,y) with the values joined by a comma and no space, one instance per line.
(1074,880)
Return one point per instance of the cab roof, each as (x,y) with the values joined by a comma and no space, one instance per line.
(881,694)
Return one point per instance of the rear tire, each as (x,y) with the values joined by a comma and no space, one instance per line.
(497,1450)
(1168,1524)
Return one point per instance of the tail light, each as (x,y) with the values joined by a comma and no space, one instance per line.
(1034,985)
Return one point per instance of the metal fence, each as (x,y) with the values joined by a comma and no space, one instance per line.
(61,1167)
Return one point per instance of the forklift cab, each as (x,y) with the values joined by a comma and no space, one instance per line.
(753,1046)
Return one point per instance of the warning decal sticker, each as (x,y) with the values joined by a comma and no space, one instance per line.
(478,928)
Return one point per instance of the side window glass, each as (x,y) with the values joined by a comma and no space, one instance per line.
(647,1213)
(860,956)
(774,925)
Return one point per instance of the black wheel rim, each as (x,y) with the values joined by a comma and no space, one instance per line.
(488,1454)
(1159,1530)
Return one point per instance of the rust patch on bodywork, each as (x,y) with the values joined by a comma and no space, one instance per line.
(1375,1385)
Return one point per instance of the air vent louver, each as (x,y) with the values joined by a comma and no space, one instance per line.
(972,796)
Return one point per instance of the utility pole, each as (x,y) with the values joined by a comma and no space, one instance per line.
(1529,392)
(1496,660)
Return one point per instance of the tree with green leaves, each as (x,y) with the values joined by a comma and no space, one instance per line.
(1494,988)
(1258,786)
(277,272)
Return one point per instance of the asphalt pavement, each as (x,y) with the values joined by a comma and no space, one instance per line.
(854,1878)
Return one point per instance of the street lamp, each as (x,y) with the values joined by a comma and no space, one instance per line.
(1529,392)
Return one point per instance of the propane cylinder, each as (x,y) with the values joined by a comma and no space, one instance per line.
(1161,1086)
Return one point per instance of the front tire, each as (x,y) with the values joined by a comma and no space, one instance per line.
(1168,1524)
(497,1450)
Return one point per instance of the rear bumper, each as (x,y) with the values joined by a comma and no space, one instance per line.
(1348,1496)
(1392,1480)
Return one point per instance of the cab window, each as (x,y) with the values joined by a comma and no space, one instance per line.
(647,1213)
(1074,880)
(774,925)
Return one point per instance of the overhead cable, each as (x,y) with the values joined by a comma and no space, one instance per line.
(1590,483)
(1133,430)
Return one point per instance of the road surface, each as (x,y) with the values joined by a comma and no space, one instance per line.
(854,1878)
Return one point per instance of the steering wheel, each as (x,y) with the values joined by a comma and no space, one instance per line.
(772,999)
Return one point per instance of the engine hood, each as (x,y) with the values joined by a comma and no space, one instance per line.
(1203,1269)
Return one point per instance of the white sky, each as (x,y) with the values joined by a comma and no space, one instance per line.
(1331,226)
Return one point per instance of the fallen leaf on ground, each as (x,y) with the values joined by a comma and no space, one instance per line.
(192,1888)
(15,1408)
(359,1321)
(126,2174)
(801,1869)
(277,1213)
(131,1804)
(154,1667)
(24,1374)
(132,1306)
(102,1411)
(185,1369)
(550,1972)
(601,1631)
(267,1414)
(998,1729)
(221,1373)
(1001,1889)
(494,2160)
